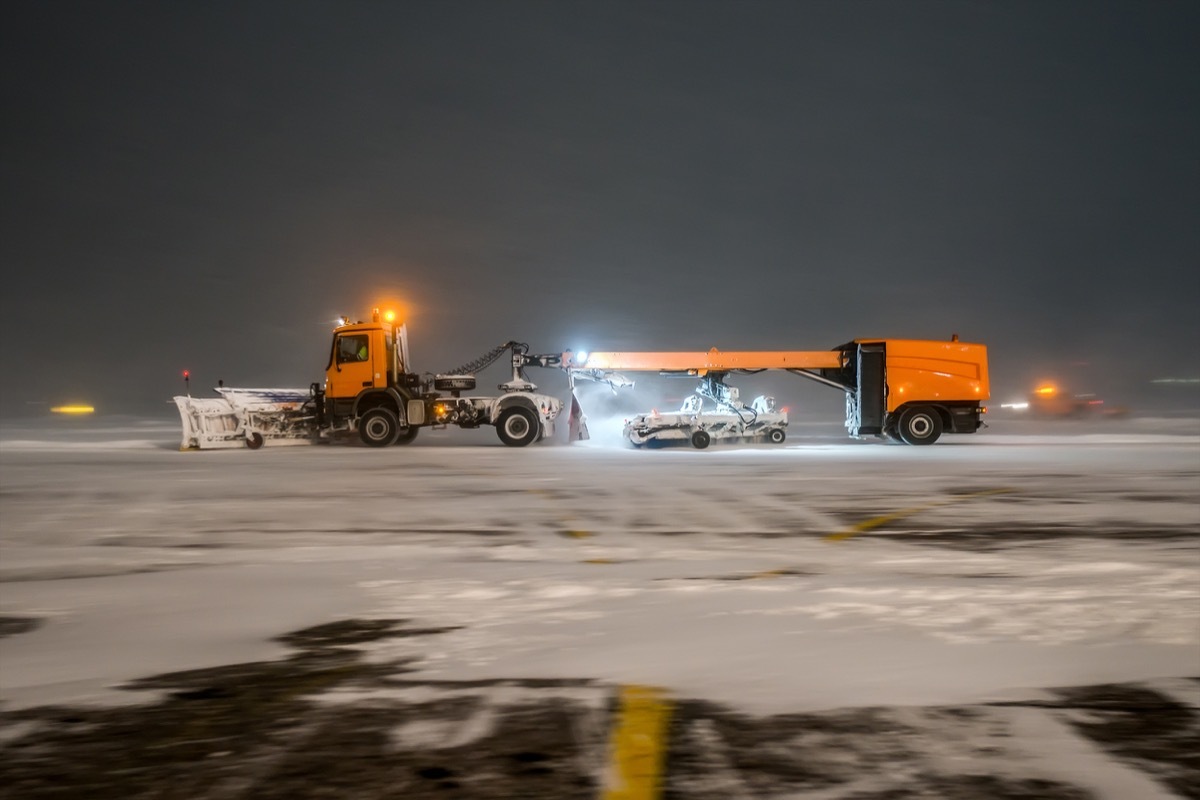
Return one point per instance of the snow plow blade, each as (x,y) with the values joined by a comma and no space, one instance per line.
(247,418)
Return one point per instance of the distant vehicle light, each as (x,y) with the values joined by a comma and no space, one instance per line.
(74,409)
(581,357)
(1046,390)
(389,316)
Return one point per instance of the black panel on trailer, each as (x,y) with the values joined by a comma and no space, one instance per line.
(870,389)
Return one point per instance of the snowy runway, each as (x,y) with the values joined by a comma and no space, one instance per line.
(818,575)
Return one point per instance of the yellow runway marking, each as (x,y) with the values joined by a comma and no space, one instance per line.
(638,744)
(570,528)
(575,534)
(876,522)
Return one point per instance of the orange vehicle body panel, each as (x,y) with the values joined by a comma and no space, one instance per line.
(929,371)
(348,378)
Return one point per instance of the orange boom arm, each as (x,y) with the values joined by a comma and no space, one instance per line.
(714,360)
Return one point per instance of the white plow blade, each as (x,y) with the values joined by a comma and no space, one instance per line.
(239,416)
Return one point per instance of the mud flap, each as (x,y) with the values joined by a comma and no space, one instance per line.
(577,430)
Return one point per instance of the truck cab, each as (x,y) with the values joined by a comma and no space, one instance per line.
(369,388)
(367,382)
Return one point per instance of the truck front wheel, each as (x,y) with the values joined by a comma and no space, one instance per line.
(378,427)
(920,425)
(517,426)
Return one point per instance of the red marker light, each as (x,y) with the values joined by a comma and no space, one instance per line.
(186,374)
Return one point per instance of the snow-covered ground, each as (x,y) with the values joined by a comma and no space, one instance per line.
(821,573)
(986,617)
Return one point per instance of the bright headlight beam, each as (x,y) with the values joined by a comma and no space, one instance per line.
(73,409)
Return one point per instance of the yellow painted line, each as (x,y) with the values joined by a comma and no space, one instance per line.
(638,744)
(569,523)
(876,522)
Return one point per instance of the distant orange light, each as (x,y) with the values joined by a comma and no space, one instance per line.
(72,410)
(1046,390)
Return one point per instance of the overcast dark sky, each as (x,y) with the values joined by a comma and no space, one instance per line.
(205,185)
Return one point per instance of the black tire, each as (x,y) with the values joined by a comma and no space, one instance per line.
(776,436)
(378,427)
(920,425)
(518,426)
(701,439)
(255,440)
(406,435)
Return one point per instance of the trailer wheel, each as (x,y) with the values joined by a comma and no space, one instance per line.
(920,425)
(378,427)
(517,426)
(776,436)
(701,439)
(406,435)
(254,440)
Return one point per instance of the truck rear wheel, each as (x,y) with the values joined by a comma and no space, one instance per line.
(406,435)
(517,426)
(378,427)
(920,425)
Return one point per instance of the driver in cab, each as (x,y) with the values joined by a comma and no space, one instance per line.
(352,348)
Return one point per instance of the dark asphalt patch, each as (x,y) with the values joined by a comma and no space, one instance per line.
(11,626)
(1143,728)
(258,730)
(354,631)
(983,538)
(865,754)
(326,723)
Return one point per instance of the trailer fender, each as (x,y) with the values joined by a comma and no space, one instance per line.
(508,401)
(545,409)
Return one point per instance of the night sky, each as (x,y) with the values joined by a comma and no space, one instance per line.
(207,185)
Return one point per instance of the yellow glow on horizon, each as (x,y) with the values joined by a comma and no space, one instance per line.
(74,409)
